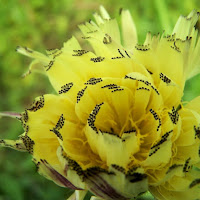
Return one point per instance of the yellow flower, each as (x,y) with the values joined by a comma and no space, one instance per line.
(118,126)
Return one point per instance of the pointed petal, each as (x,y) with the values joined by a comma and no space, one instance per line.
(185,25)
(43,116)
(129,32)
(14,144)
(104,13)
(185,41)
(46,170)
(98,19)
(71,45)
(33,54)
(111,28)
(169,77)
(72,170)
(59,68)
(107,26)
(42,123)
(185,28)
(192,66)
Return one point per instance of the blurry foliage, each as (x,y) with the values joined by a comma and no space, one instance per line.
(44,25)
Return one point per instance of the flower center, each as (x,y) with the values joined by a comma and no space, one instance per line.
(119,116)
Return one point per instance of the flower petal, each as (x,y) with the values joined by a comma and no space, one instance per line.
(32,54)
(186,187)
(103,39)
(111,148)
(40,121)
(129,32)
(46,170)
(154,57)
(163,151)
(114,184)
(76,146)
(104,13)
(185,25)
(14,144)
(194,105)
(72,170)
(185,28)
(107,25)
(190,122)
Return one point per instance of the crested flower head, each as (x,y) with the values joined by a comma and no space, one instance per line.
(117,126)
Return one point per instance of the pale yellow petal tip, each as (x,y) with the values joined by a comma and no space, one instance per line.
(104,13)
(37,65)
(33,54)
(102,17)
(185,25)
(13,144)
(193,13)
(99,20)
(24,50)
(71,45)
(129,32)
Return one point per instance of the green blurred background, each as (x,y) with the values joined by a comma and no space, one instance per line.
(44,25)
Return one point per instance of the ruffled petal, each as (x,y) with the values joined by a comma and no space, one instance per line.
(185,25)
(153,57)
(112,184)
(42,123)
(185,28)
(190,123)
(186,187)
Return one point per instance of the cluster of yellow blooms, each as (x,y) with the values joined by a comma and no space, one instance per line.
(118,126)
